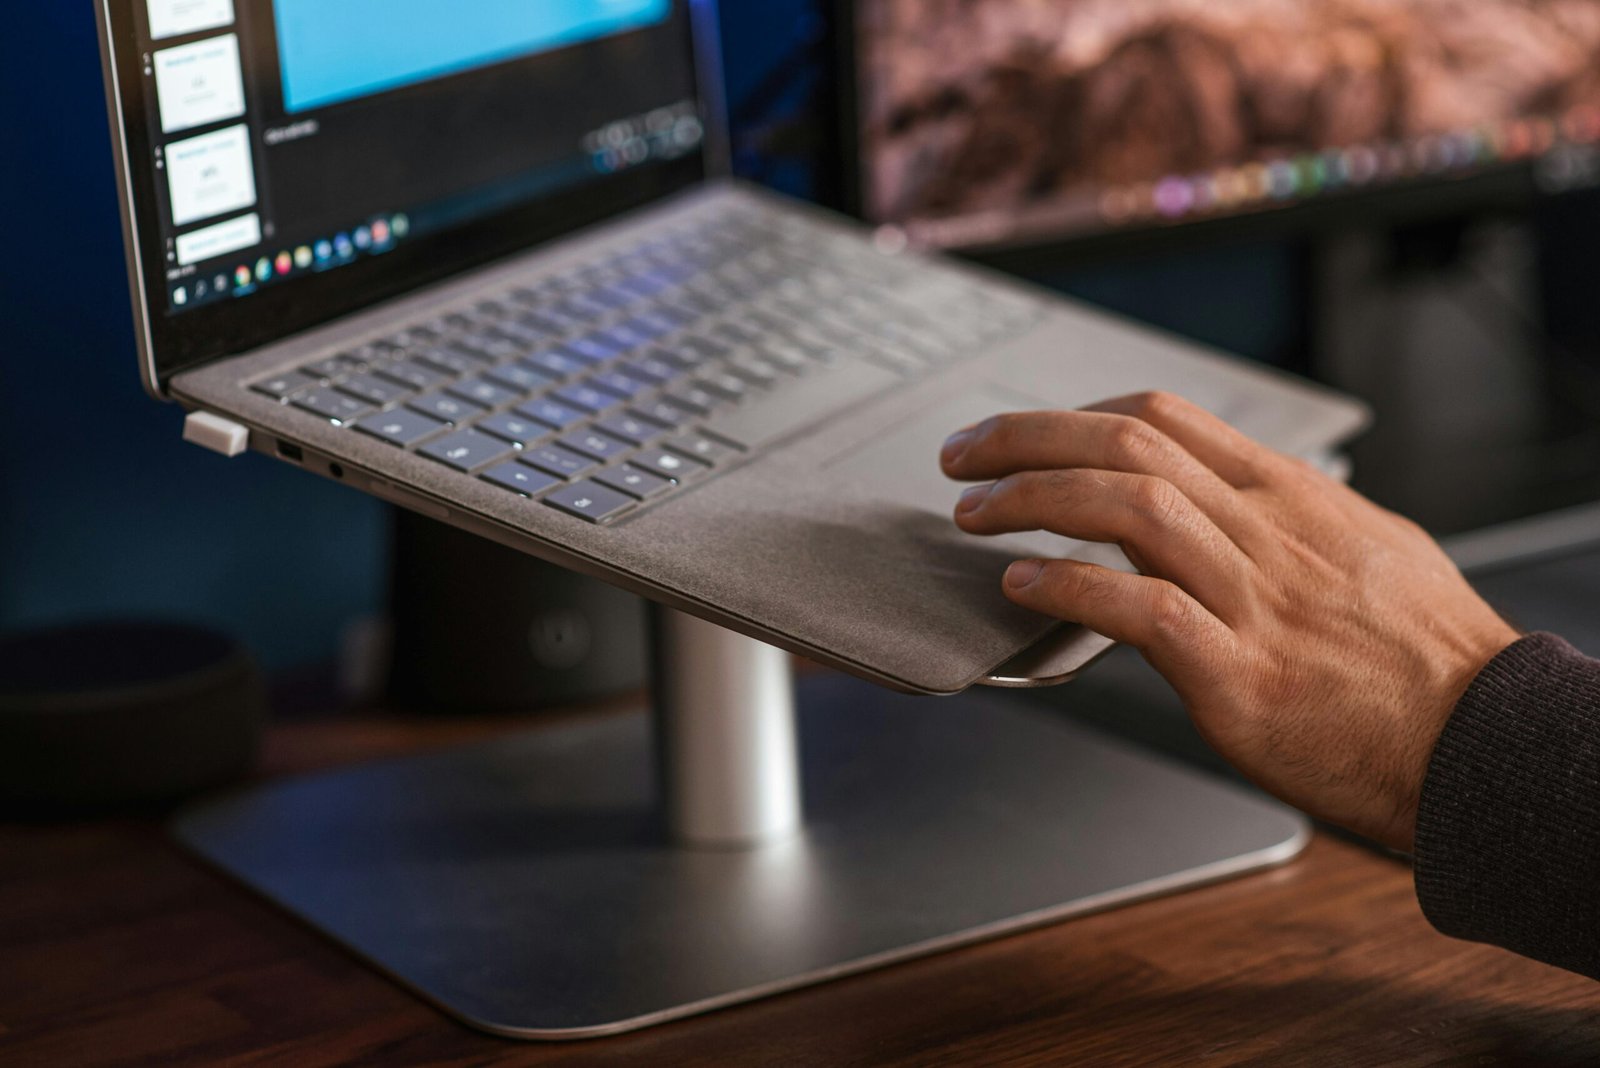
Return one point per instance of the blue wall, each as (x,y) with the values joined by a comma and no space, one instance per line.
(103,511)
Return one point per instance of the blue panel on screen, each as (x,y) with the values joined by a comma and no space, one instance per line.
(335,51)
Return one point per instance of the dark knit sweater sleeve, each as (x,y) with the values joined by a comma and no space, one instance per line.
(1508,830)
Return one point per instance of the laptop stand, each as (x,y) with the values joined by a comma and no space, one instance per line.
(534,887)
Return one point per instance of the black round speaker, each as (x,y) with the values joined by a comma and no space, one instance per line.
(478,627)
(106,715)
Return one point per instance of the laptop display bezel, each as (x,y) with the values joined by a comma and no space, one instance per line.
(169,344)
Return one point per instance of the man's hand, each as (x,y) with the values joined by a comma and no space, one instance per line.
(1318,641)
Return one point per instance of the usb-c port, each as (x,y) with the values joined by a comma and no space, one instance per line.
(290,452)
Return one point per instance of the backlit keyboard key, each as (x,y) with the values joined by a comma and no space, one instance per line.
(558,364)
(467,450)
(449,361)
(594,444)
(520,478)
(332,367)
(699,447)
(595,348)
(652,371)
(558,461)
(588,398)
(482,392)
(282,387)
(401,427)
(669,464)
(413,374)
(373,390)
(332,405)
(443,406)
(589,500)
(552,413)
(631,428)
(520,377)
(616,382)
(634,481)
(513,428)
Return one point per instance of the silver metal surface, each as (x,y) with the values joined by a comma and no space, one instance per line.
(835,543)
(1059,657)
(730,762)
(1526,540)
(527,887)
(125,199)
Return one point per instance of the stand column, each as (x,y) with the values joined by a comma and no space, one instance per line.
(725,735)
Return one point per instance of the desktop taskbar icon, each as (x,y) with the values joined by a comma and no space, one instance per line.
(377,235)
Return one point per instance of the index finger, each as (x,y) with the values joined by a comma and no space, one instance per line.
(1052,441)
(1237,458)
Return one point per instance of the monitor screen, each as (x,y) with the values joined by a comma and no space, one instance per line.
(291,159)
(993,122)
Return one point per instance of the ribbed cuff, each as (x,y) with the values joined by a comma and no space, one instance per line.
(1508,828)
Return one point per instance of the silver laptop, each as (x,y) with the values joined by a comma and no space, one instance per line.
(484,262)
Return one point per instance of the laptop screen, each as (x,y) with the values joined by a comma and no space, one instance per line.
(289,161)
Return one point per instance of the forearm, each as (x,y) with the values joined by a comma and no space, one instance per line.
(1508,830)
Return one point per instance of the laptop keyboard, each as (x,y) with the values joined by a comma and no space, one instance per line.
(612,387)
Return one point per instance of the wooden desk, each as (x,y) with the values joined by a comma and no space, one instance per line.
(117,948)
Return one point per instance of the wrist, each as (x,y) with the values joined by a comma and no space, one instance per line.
(1472,657)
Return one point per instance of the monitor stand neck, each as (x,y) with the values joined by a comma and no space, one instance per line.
(726,743)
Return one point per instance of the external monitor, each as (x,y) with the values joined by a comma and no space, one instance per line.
(1015,122)
(1045,135)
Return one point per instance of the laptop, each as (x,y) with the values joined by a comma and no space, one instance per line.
(486,262)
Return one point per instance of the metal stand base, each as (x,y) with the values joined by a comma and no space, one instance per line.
(531,888)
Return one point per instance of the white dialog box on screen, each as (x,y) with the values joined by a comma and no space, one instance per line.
(173,18)
(199,84)
(210,174)
(219,239)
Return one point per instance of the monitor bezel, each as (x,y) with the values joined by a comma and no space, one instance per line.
(169,344)
(1511,187)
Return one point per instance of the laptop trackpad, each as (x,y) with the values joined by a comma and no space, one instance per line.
(900,467)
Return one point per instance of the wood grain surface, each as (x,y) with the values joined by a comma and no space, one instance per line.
(117,948)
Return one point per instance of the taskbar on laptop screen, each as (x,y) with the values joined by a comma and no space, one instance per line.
(1012,120)
(291,138)
(233,260)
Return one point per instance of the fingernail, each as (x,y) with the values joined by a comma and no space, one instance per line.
(972,499)
(1022,573)
(955,445)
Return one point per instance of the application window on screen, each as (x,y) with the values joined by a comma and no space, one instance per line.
(266,188)
(210,175)
(199,84)
(175,18)
(333,52)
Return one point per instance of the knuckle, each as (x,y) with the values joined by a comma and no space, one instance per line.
(1155,502)
(1261,466)
(1171,613)
(1134,442)
(1060,488)
(1156,404)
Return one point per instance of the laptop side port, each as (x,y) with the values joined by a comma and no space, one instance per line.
(289,451)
